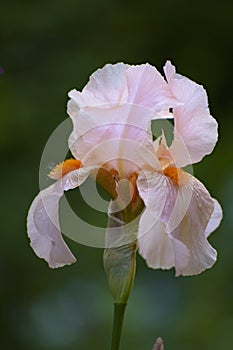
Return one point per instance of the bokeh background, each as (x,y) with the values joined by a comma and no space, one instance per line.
(48,47)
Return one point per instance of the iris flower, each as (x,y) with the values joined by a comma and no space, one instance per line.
(112,138)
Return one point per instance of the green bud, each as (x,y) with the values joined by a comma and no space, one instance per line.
(120,266)
(120,260)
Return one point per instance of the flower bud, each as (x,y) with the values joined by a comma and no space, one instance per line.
(120,259)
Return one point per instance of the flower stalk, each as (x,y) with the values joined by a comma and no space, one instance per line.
(120,266)
(119,311)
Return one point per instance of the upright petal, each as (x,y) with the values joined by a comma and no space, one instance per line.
(146,87)
(106,85)
(194,127)
(122,83)
(101,135)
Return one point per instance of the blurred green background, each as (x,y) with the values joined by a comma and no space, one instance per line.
(48,47)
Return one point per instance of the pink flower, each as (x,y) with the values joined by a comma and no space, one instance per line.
(112,136)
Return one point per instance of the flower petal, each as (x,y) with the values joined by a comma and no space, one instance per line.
(148,88)
(152,188)
(43,222)
(106,85)
(121,83)
(215,219)
(44,230)
(155,245)
(180,215)
(77,177)
(102,135)
(194,129)
(190,230)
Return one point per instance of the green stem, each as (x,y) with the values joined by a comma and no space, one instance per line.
(119,311)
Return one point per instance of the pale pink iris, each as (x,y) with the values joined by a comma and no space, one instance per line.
(111,130)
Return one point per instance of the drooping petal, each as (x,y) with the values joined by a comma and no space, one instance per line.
(187,223)
(215,218)
(43,222)
(152,188)
(155,245)
(195,130)
(77,177)
(180,213)
(43,228)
